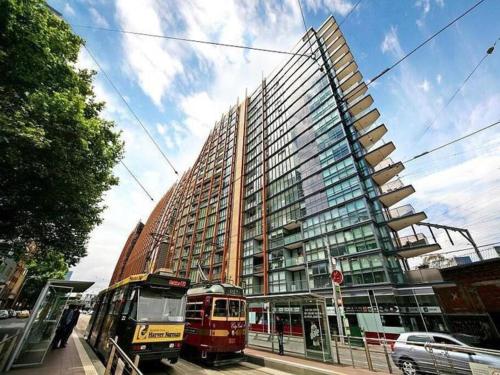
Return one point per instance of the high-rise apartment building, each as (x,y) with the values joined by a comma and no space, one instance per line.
(296,173)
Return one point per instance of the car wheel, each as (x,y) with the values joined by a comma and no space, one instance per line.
(408,366)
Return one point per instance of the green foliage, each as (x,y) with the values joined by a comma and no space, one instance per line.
(56,152)
(52,266)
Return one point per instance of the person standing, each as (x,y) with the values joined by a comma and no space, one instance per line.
(68,321)
(71,321)
(279,330)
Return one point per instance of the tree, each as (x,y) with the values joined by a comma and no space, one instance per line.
(52,266)
(56,151)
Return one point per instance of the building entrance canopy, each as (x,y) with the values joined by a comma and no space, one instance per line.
(306,328)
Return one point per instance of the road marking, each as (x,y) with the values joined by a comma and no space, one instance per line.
(87,364)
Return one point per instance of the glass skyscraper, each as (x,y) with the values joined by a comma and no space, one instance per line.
(291,176)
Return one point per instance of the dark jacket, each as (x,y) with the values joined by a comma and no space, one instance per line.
(279,326)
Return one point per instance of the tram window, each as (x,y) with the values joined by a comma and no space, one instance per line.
(193,310)
(234,308)
(242,309)
(220,308)
(155,305)
(130,308)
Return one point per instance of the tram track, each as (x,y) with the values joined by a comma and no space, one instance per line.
(184,367)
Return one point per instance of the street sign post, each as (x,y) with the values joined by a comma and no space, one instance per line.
(334,274)
(337,277)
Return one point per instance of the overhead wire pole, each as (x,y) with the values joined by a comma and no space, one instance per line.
(130,109)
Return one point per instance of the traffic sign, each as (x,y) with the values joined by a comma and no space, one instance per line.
(337,277)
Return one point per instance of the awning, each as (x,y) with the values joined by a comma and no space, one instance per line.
(78,286)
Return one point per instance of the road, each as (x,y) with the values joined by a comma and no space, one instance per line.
(187,368)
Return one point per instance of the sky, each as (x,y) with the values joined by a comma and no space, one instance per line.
(179,90)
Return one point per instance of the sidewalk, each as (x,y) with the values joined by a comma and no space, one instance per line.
(296,365)
(72,360)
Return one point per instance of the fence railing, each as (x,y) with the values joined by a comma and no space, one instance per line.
(392,356)
(6,345)
(120,363)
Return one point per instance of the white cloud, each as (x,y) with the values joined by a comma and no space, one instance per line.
(424,4)
(424,85)
(153,63)
(440,3)
(68,10)
(341,7)
(439,79)
(391,43)
(98,19)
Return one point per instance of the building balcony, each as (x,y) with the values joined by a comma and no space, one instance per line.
(343,60)
(348,68)
(293,241)
(360,105)
(336,55)
(350,80)
(380,153)
(334,41)
(355,91)
(258,270)
(415,245)
(364,120)
(386,171)
(403,217)
(395,191)
(291,264)
(371,137)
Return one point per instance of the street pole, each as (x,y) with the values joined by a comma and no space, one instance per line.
(338,315)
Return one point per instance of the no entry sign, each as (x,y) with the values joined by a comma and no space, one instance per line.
(337,277)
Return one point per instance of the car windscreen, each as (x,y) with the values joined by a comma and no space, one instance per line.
(158,305)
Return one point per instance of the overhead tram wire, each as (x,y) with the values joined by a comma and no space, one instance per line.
(386,70)
(489,51)
(452,142)
(137,180)
(160,36)
(108,78)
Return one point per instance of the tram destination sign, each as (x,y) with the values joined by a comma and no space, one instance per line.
(233,291)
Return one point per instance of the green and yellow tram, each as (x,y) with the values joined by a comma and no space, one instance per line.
(146,312)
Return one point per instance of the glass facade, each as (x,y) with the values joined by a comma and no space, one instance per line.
(294,175)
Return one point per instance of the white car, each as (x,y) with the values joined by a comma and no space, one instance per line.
(417,352)
(4,314)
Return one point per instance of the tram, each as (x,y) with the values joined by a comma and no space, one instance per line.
(215,323)
(146,313)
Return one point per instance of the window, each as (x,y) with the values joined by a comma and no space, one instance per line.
(242,309)
(445,341)
(193,310)
(418,340)
(234,308)
(220,308)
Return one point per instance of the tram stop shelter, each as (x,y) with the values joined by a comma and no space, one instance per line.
(36,336)
(306,329)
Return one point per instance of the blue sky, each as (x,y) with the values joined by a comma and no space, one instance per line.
(179,90)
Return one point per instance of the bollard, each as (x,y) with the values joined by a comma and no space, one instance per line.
(368,356)
(388,360)
(136,363)
(350,349)
(110,361)
(337,349)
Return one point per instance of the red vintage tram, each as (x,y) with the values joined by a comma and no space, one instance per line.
(215,323)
